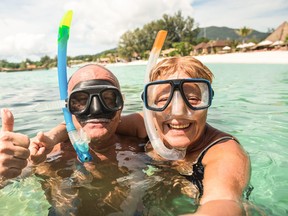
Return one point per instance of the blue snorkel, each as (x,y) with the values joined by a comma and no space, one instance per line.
(79,140)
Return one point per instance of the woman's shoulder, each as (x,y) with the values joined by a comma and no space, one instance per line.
(223,145)
(228,151)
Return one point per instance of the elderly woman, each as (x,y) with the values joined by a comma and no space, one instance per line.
(179,95)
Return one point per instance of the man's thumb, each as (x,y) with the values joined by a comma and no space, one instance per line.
(7,120)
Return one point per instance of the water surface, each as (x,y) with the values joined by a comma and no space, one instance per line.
(250,102)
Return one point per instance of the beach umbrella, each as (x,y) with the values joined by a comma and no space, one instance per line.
(226,48)
(245,45)
(265,43)
(240,46)
(277,43)
(250,44)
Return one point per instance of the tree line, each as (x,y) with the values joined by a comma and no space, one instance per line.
(135,44)
(182,35)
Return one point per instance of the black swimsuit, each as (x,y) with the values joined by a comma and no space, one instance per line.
(196,174)
(198,169)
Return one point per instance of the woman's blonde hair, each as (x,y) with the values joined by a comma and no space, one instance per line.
(191,66)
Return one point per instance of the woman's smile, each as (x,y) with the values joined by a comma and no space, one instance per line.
(179,126)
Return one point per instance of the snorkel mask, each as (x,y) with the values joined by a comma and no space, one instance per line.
(196,93)
(93,99)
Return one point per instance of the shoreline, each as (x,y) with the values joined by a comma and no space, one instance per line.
(255,57)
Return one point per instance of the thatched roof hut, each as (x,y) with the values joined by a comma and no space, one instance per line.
(210,47)
(279,34)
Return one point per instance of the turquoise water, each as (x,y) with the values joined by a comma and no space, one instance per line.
(250,102)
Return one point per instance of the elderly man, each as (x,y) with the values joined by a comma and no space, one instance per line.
(95,101)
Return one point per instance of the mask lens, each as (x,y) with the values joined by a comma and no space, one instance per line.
(158,95)
(112,99)
(78,102)
(196,94)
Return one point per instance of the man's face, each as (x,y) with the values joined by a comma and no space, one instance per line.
(100,129)
(96,106)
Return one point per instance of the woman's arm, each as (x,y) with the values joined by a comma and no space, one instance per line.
(132,125)
(227,174)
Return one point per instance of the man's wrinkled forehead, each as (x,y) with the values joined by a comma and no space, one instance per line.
(92,72)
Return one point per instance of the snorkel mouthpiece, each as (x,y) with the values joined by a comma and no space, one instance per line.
(78,140)
(156,142)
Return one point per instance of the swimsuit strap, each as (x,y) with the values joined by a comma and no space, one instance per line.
(198,169)
(201,155)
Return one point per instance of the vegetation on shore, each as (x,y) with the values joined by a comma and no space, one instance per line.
(183,36)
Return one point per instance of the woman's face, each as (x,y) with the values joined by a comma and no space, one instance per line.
(179,126)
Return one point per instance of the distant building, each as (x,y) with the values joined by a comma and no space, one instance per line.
(30,66)
(210,47)
(276,39)
(200,49)
(279,34)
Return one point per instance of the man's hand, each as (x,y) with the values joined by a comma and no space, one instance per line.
(43,143)
(14,150)
(40,146)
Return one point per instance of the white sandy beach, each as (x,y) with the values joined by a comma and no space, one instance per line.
(256,57)
(260,57)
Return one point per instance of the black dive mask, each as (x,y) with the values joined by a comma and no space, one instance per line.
(94,99)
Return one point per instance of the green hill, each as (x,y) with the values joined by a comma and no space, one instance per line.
(225,33)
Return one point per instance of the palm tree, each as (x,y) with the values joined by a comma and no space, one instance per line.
(243,32)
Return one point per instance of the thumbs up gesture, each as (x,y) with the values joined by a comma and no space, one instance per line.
(13,148)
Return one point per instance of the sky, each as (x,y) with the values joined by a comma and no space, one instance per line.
(29,28)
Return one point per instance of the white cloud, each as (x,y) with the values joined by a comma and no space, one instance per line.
(257,14)
(102,24)
(29,28)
